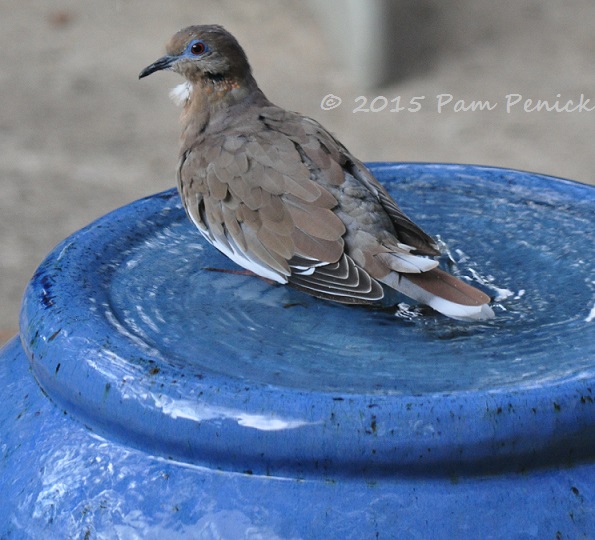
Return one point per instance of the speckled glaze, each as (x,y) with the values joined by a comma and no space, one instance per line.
(192,403)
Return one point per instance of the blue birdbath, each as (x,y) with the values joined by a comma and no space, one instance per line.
(170,399)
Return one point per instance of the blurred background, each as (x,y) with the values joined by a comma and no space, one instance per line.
(80,135)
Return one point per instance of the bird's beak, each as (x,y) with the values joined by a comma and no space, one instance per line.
(165,62)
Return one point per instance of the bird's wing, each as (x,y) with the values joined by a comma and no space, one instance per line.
(251,194)
(323,146)
(342,281)
(406,230)
(375,224)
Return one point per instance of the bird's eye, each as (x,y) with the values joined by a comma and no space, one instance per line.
(197,48)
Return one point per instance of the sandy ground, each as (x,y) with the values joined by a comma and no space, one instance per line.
(80,135)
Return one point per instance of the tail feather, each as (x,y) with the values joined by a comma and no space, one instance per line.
(443,292)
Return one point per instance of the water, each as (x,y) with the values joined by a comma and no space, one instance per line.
(528,242)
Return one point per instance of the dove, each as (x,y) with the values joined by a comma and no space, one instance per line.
(279,195)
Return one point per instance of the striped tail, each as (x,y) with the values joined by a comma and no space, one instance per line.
(444,293)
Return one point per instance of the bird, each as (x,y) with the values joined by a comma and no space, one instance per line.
(279,195)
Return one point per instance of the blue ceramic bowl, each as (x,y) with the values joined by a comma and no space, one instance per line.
(188,402)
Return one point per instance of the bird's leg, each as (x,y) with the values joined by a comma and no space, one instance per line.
(240,273)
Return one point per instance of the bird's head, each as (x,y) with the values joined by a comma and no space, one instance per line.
(204,53)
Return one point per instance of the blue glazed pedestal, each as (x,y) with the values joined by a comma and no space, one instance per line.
(152,397)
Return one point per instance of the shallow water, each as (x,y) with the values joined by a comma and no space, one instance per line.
(530,246)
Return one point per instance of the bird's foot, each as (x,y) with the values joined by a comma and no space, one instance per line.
(240,273)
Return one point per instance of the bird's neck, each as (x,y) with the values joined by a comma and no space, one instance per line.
(208,100)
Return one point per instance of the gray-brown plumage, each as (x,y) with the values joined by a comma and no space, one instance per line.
(279,195)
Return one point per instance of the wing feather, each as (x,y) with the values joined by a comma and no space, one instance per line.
(341,282)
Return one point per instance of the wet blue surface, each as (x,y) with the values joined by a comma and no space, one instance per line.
(531,242)
(128,330)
